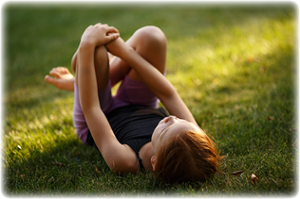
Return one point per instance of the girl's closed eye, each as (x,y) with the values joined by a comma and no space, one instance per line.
(163,130)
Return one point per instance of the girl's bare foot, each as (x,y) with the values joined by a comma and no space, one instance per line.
(62,78)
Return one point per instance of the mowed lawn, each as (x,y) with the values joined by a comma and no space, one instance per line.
(234,65)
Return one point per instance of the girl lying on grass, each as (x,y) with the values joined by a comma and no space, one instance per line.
(131,133)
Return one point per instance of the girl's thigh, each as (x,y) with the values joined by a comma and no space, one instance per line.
(135,92)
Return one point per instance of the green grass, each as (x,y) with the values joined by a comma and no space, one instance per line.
(233,65)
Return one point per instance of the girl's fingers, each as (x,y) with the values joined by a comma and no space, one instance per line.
(98,24)
(112,37)
(108,29)
(112,29)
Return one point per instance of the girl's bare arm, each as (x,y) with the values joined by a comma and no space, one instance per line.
(154,80)
(120,158)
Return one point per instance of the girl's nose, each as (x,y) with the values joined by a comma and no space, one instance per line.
(171,118)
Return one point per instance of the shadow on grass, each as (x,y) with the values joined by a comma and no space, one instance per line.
(59,169)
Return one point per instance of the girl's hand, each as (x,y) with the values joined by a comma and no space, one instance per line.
(99,35)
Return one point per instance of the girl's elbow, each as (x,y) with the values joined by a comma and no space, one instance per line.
(122,167)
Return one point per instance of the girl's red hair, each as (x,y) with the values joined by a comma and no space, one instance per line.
(189,156)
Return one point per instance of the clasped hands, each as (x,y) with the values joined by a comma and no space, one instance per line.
(99,34)
(102,34)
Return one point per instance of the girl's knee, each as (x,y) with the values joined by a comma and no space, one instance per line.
(151,35)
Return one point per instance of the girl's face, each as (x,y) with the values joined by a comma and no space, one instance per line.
(169,127)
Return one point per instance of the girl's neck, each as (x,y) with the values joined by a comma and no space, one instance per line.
(145,153)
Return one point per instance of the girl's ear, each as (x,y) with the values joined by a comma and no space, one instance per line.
(153,162)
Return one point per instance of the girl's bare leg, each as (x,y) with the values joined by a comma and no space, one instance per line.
(101,67)
(101,62)
(151,43)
